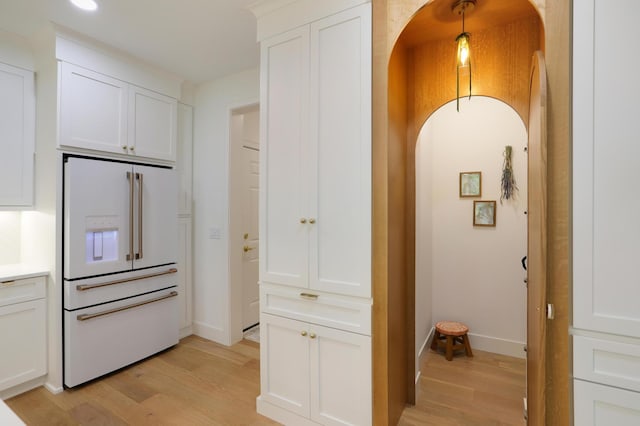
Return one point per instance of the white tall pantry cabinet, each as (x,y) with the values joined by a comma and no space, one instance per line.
(315,211)
(606,202)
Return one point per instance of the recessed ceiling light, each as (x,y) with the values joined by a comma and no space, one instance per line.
(85,4)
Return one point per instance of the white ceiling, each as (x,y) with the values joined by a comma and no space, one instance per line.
(199,40)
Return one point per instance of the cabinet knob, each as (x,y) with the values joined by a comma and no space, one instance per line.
(132,148)
(303,220)
(312,221)
(247,248)
(312,335)
(125,147)
(303,333)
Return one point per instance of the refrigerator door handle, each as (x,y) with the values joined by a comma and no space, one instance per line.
(139,176)
(130,177)
(85,317)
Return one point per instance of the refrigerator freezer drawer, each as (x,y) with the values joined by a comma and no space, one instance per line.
(105,338)
(81,293)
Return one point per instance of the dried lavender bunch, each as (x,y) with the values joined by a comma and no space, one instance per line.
(508,182)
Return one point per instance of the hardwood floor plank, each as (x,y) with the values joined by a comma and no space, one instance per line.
(198,382)
(484,390)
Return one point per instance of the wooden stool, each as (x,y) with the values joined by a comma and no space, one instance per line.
(452,336)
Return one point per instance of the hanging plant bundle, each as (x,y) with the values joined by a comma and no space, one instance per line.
(508,183)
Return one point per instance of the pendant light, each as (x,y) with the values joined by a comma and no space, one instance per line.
(463,55)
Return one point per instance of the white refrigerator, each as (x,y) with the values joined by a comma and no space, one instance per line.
(119,265)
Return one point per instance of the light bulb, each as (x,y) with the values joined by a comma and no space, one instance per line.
(89,5)
(463,50)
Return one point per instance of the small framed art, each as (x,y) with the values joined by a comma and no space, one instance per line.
(484,213)
(470,184)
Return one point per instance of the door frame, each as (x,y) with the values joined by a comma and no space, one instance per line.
(235,222)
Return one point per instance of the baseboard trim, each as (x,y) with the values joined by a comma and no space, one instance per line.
(209,332)
(21,388)
(280,414)
(186,331)
(424,345)
(53,389)
(497,345)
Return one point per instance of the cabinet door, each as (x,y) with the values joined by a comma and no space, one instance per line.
(93,110)
(605,157)
(284,363)
(17,133)
(185,158)
(184,272)
(340,153)
(152,124)
(599,405)
(24,342)
(284,220)
(340,377)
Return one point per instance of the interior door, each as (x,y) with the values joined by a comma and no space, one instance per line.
(155,236)
(537,243)
(97,217)
(250,189)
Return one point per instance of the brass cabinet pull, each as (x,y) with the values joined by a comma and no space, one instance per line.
(303,333)
(85,317)
(303,220)
(247,248)
(83,287)
(309,296)
(312,221)
(312,335)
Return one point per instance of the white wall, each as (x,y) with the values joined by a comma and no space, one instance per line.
(213,103)
(476,276)
(424,235)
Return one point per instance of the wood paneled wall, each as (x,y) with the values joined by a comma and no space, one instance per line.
(501,63)
(401,104)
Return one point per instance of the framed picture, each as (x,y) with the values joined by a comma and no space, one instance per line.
(470,184)
(484,213)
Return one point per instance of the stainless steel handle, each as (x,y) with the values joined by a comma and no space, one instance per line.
(85,317)
(309,296)
(83,287)
(131,188)
(140,177)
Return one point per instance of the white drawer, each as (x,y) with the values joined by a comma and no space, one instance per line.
(608,362)
(341,312)
(600,405)
(22,290)
(104,338)
(92,291)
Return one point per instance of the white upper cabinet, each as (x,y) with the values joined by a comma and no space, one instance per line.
(316,180)
(98,112)
(17,136)
(152,124)
(605,165)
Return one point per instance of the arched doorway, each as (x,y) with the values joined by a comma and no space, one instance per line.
(409,86)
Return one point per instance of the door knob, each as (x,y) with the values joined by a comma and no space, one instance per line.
(247,248)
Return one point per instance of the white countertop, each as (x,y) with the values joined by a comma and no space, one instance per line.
(8,417)
(20,270)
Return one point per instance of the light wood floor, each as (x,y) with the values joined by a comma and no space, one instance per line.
(484,390)
(199,382)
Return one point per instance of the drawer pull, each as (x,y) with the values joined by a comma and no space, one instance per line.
(309,296)
(7,283)
(85,317)
(84,287)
